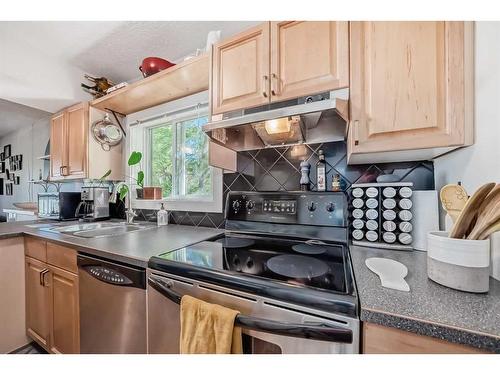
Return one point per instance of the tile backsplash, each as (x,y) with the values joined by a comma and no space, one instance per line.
(278,169)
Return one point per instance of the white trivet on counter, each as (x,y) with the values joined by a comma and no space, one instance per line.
(391,273)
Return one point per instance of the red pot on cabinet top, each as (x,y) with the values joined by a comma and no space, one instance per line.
(153,65)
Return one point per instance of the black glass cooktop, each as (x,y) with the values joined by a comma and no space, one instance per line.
(310,264)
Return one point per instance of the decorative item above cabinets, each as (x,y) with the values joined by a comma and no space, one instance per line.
(411,90)
(74,153)
(276,61)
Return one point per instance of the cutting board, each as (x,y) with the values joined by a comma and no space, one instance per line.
(391,273)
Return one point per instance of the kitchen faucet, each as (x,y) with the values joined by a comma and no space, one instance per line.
(129,212)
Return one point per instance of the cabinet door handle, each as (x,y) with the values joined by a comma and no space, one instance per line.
(42,276)
(274,78)
(60,170)
(264,86)
(356,130)
(64,170)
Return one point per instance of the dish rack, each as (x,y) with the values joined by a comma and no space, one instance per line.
(381,215)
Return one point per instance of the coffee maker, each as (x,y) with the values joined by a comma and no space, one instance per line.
(95,203)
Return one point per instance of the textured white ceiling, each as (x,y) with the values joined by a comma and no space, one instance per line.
(116,49)
(14,116)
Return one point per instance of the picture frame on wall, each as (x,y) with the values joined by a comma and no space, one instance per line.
(17,181)
(7,174)
(8,189)
(2,156)
(12,177)
(2,167)
(7,151)
(1,186)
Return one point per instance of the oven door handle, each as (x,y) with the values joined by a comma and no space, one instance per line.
(312,331)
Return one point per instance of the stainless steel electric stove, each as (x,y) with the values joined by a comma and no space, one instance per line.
(283,262)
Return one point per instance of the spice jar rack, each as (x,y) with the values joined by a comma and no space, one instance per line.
(381,215)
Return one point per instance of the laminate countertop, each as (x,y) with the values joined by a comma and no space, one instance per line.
(133,248)
(428,308)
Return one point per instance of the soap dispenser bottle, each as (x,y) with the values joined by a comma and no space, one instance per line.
(162,216)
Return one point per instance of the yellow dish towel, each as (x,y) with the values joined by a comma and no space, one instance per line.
(208,329)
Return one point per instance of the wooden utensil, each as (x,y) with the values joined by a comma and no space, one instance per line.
(453,199)
(489,216)
(490,230)
(488,200)
(469,211)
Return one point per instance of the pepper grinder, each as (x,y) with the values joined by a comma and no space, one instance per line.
(305,184)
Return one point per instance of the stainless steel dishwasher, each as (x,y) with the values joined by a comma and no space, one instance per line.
(112,307)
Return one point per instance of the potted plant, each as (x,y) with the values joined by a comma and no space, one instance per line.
(134,159)
(142,192)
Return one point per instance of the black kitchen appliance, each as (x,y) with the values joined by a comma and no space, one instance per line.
(59,205)
(287,252)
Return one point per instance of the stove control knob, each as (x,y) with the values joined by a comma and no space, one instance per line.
(250,205)
(236,206)
(330,207)
(311,206)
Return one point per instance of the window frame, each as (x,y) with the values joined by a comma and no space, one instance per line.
(139,125)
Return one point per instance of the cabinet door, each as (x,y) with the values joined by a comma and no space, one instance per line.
(240,71)
(58,156)
(77,126)
(410,85)
(308,57)
(65,315)
(37,302)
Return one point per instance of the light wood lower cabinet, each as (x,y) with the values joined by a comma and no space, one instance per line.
(52,303)
(383,340)
(65,315)
(37,302)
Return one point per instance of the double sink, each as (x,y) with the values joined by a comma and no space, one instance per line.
(95,230)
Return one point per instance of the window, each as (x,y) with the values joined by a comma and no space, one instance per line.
(175,156)
(179,158)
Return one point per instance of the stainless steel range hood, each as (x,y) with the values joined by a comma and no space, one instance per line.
(312,119)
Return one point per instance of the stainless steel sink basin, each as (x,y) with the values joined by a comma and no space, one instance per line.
(94,230)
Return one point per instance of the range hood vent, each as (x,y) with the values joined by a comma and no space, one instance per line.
(312,119)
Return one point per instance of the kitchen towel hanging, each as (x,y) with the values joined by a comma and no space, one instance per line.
(207,328)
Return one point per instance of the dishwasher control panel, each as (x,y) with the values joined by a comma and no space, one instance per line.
(108,275)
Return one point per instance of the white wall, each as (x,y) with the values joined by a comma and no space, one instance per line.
(479,163)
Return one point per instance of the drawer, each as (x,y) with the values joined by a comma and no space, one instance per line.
(35,248)
(62,257)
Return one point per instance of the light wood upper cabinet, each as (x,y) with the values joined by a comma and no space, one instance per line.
(64,316)
(410,88)
(57,145)
(68,143)
(37,302)
(240,70)
(276,61)
(77,129)
(75,154)
(308,57)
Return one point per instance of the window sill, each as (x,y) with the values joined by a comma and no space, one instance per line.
(193,205)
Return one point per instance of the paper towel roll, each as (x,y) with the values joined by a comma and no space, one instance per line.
(425,216)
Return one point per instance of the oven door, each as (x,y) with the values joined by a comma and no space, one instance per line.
(268,326)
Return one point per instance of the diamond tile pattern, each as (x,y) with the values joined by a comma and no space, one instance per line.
(278,169)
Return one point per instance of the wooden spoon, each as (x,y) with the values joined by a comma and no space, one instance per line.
(490,230)
(486,218)
(469,211)
(488,200)
(453,199)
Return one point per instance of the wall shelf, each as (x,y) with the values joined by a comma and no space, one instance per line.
(186,78)
(44,157)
